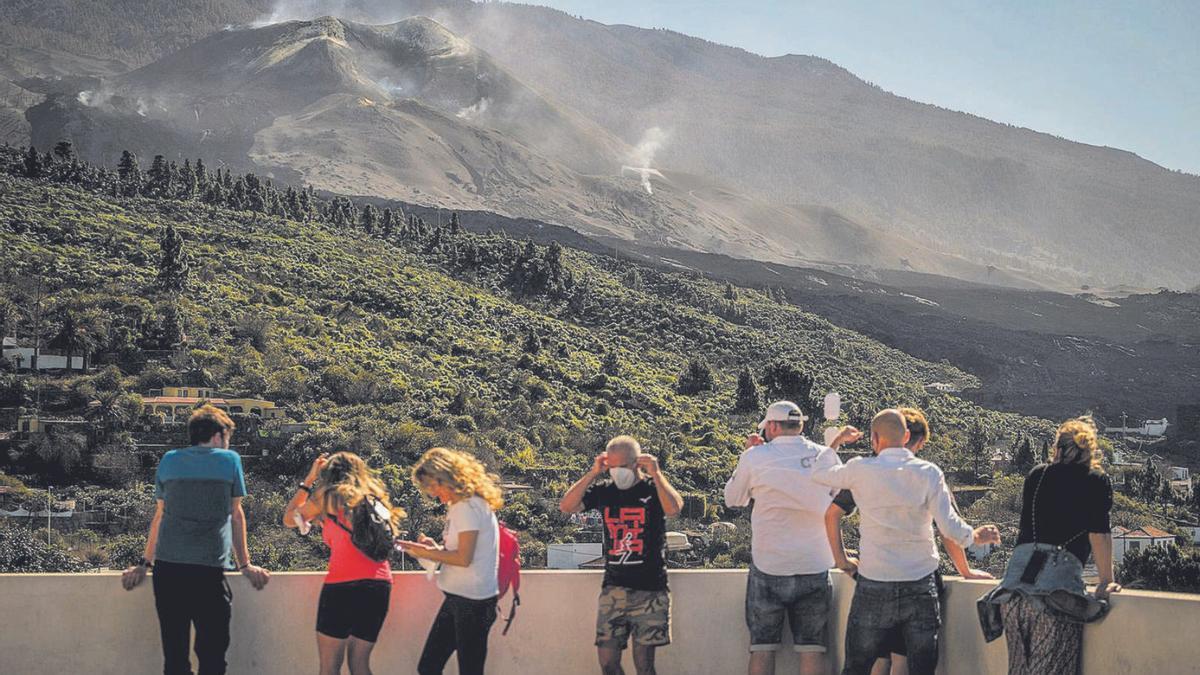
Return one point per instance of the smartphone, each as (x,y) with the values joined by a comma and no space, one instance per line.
(1037,561)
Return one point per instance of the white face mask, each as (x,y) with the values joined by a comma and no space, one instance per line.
(623,478)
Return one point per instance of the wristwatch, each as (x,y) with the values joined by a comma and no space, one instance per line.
(306,488)
(146,563)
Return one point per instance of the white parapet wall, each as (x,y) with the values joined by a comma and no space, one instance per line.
(55,624)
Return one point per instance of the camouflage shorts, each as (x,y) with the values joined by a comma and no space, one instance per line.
(624,611)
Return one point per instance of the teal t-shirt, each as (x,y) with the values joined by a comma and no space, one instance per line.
(197,486)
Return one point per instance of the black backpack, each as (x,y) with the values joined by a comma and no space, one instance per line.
(372,532)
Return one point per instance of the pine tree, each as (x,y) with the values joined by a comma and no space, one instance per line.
(201,176)
(783,381)
(370,218)
(158,177)
(64,151)
(34,166)
(388,227)
(127,169)
(174,265)
(455,226)
(747,398)
(172,327)
(977,444)
(730,292)
(697,377)
(188,182)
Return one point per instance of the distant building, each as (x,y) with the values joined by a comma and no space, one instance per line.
(1152,428)
(1180,480)
(177,403)
(48,359)
(942,387)
(30,425)
(1126,540)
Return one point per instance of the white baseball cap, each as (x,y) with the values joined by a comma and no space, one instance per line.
(782,411)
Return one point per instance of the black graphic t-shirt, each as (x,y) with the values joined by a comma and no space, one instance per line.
(635,535)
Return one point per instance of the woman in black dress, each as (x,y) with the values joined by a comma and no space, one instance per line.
(1066,503)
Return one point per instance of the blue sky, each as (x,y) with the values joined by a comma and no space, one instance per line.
(1106,72)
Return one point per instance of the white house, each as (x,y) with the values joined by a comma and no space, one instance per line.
(22,357)
(1153,428)
(1125,540)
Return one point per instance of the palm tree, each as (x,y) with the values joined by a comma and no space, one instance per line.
(77,333)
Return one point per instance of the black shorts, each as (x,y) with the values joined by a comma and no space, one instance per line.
(353,608)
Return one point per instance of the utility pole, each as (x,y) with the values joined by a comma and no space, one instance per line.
(48,489)
(37,348)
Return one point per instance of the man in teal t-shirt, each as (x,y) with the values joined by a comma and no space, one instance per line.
(198,529)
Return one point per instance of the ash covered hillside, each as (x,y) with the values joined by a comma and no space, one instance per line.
(410,111)
(792,159)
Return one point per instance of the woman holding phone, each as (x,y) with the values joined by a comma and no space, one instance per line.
(469,556)
(354,599)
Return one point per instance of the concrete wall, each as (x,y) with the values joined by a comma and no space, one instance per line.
(85,623)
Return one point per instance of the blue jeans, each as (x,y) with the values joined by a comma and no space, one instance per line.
(880,607)
(802,598)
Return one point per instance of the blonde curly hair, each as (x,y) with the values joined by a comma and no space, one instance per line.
(462,473)
(1076,443)
(345,481)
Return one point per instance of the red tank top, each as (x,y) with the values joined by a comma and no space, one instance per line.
(346,562)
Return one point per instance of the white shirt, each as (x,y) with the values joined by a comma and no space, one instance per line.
(787,525)
(899,497)
(476,581)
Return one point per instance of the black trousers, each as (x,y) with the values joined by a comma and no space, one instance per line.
(461,625)
(187,596)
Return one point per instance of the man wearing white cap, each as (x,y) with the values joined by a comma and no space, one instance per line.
(790,559)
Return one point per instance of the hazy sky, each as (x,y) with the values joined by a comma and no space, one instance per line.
(1122,74)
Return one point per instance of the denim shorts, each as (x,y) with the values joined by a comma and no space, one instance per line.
(885,611)
(803,599)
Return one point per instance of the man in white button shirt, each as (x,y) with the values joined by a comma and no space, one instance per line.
(790,558)
(899,498)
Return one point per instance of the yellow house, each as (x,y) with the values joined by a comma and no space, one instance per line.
(178,402)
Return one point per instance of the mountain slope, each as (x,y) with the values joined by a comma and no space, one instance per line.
(800,130)
(794,135)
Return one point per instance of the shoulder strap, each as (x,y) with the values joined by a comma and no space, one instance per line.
(339,524)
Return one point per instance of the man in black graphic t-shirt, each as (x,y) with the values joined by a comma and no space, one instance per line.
(634,599)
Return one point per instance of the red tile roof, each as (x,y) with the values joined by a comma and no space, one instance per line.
(180,400)
(1143,532)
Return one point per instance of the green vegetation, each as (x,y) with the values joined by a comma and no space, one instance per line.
(392,335)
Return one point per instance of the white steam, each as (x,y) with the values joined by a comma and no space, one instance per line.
(473,112)
(300,10)
(645,172)
(641,160)
(94,99)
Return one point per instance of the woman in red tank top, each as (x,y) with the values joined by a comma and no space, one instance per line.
(354,599)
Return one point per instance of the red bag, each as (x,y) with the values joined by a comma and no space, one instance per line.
(509,573)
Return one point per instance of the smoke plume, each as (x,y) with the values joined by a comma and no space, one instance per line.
(641,160)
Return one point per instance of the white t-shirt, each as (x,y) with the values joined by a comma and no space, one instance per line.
(476,581)
(788,522)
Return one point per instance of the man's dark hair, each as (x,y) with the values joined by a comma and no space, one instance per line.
(791,425)
(206,421)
